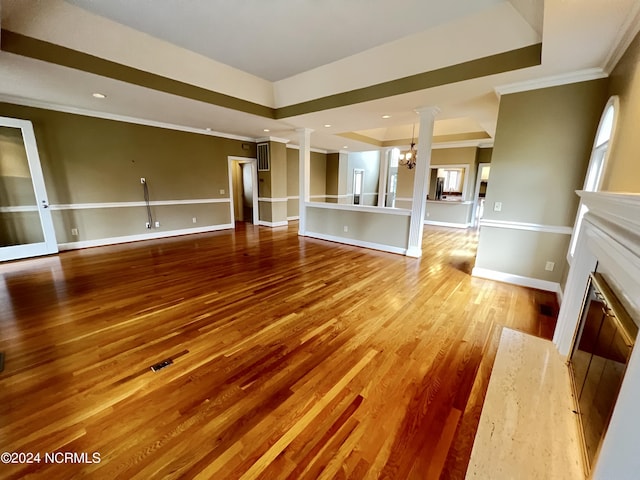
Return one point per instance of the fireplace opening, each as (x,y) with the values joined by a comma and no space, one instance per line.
(601,349)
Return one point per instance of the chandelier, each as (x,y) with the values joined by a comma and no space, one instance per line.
(409,159)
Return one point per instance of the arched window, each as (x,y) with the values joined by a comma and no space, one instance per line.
(595,171)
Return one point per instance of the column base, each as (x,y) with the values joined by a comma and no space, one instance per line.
(414,252)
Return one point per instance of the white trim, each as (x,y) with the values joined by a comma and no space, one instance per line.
(254,180)
(272,200)
(19,209)
(144,236)
(626,34)
(450,202)
(120,118)
(559,295)
(404,199)
(264,223)
(155,203)
(446,224)
(294,197)
(317,150)
(295,217)
(272,139)
(479,143)
(360,208)
(515,279)
(533,227)
(333,196)
(551,81)
(357,243)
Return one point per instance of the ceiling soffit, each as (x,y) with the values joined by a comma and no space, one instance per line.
(38,49)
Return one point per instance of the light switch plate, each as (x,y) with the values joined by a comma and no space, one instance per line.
(497,207)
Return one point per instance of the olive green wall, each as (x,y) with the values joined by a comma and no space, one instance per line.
(317,179)
(541,151)
(293,182)
(623,168)
(484,155)
(332,175)
(458,213)
(318,176)
(91,160)
(273,186)
(374,228)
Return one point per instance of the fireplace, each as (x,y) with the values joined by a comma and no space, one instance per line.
(601,350)
(596,329)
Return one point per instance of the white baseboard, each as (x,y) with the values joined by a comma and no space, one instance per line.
(446,224)
(357,243)
(414,252)
(100,242)
(273,224)
(559,295)
(516,279)
(296,217)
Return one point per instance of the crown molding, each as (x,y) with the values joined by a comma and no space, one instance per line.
(551,81)
(317,150)
(272,139)
(27,102)
(626,34)
(479,143)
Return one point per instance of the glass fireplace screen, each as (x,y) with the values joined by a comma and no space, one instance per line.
(601,350)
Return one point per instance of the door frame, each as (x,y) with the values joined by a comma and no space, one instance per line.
(49,245)
(476,194)
(254,180)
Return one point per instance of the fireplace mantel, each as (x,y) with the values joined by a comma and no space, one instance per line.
(609,238)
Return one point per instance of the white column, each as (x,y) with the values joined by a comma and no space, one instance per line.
(304,136)
(343,172)
(384,173)
(420,181)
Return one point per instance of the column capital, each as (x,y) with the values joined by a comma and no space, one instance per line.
(422,111)
(304,130)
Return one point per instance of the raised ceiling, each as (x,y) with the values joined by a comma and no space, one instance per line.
(282,65)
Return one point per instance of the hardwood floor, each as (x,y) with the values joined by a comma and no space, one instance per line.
(292,357)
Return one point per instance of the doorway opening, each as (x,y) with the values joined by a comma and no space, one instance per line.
(484,169)
(243,190)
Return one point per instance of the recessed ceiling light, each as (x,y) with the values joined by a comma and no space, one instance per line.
(386,116)
(326,125)
(266,130)
(208,129)
(99,95)
(346,146)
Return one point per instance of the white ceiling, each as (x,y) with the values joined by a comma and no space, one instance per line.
(277,39)
(383,41)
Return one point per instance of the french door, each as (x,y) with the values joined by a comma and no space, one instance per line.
(26,227)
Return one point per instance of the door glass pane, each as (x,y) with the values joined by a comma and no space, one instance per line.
(19,216)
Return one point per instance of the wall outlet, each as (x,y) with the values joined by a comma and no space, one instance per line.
(222,191)
(346,228)
(549,266)
(74,232)
(157,224)
(143,180)
(194,220)
(147,224)
(497,207)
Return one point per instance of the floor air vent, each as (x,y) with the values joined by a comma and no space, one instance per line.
(546,310)
(161,365)
(1,361)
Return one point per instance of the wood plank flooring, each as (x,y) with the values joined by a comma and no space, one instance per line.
(293,358)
